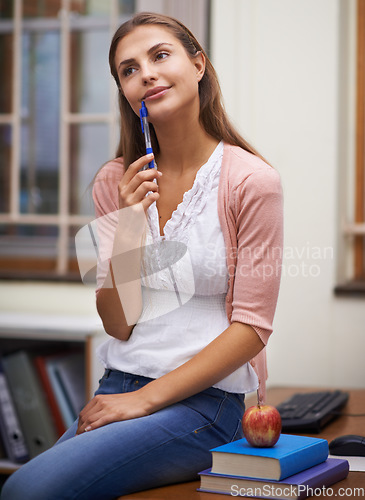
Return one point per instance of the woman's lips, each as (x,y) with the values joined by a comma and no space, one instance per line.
(156,93)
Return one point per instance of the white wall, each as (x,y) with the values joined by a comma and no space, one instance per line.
(287,73)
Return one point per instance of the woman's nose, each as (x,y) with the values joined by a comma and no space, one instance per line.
(148,73)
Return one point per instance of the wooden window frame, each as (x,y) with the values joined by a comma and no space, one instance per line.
(356,229)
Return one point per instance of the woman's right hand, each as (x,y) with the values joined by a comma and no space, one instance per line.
(136,183)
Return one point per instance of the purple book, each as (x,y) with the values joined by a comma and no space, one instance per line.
(307,483)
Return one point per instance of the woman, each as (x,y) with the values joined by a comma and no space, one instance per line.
(187,340)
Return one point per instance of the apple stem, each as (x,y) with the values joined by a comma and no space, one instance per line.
(258,400)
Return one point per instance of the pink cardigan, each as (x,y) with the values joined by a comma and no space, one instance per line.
(250,210)
(250,214)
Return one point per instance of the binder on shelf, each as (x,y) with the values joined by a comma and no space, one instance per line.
(11,434)
(41,365)
(30,403)
(61,395)
(70,369)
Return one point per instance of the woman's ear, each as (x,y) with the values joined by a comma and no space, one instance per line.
(199,63)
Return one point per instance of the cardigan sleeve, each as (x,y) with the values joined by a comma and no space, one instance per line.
(258,206)
(105,196)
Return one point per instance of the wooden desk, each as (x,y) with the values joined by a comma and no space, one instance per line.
(342,425)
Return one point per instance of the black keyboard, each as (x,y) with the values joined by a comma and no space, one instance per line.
(310,412)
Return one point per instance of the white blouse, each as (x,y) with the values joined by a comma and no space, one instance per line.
(184,283)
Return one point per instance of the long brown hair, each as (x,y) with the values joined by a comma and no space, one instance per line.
(213,116)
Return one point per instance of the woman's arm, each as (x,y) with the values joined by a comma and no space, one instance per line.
(231,349)
(119,300)
(109,306)
(237,345)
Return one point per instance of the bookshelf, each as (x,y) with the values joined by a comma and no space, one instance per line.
(53,334)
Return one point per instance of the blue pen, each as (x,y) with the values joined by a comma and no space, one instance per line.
(146,132)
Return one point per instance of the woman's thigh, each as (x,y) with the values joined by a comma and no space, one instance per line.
(169,446)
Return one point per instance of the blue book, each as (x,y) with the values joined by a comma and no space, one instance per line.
(299,486)
(290,455)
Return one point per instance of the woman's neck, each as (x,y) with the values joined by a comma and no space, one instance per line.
(183,148)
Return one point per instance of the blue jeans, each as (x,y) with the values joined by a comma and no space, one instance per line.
(169,446)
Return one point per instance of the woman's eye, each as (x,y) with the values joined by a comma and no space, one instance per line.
(128,71)
(161,55)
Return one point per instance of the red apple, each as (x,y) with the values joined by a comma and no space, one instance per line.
(261,425)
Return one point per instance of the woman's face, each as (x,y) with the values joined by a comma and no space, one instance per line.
(153,66)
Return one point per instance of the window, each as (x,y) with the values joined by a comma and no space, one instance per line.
(57,126)
(59,121)
(354,228)
(359,228)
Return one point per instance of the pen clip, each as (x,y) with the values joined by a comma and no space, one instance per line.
(140,117)
(143,114)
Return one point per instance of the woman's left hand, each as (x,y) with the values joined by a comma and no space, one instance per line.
(106,408)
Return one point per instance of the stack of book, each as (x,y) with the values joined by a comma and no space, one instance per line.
(296,467)
(40,396)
